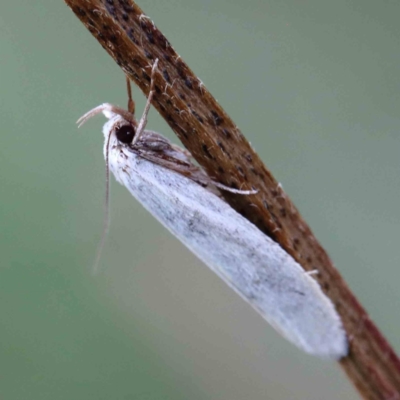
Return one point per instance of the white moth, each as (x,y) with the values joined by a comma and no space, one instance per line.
(163,178)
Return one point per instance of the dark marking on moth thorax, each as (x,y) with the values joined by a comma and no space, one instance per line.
(125,16)
(248,158)
(283,212)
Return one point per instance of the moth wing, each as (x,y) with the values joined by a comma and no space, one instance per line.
(255,266)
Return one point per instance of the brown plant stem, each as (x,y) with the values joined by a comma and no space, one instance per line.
(134,42)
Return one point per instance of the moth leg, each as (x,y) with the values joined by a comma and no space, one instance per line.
(231,190)
(131,103)
(143,119)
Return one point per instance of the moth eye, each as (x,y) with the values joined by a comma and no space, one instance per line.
(125,134)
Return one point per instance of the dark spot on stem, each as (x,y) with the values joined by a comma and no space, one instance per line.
(197,116)
(217,119)
(145,76)
(188,83)
(147,29)
(148,54)
(221,146)
(241,172)
(206,151)
(132,36)
(162,40)
(226,133)
(166,75)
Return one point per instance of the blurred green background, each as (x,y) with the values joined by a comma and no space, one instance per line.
(314,85)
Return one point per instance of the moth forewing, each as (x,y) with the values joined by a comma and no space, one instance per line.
(255,266)
(163,178)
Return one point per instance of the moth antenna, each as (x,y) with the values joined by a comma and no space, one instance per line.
(106,221)
(106,107)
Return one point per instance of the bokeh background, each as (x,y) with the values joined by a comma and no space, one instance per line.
(314,85)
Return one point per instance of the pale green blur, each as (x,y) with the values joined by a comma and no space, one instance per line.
(315,88)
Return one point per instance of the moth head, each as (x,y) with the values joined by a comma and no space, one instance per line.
(121,123)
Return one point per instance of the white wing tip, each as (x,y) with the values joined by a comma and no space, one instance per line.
(331,346)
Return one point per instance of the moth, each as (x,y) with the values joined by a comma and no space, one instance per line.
(163,178)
